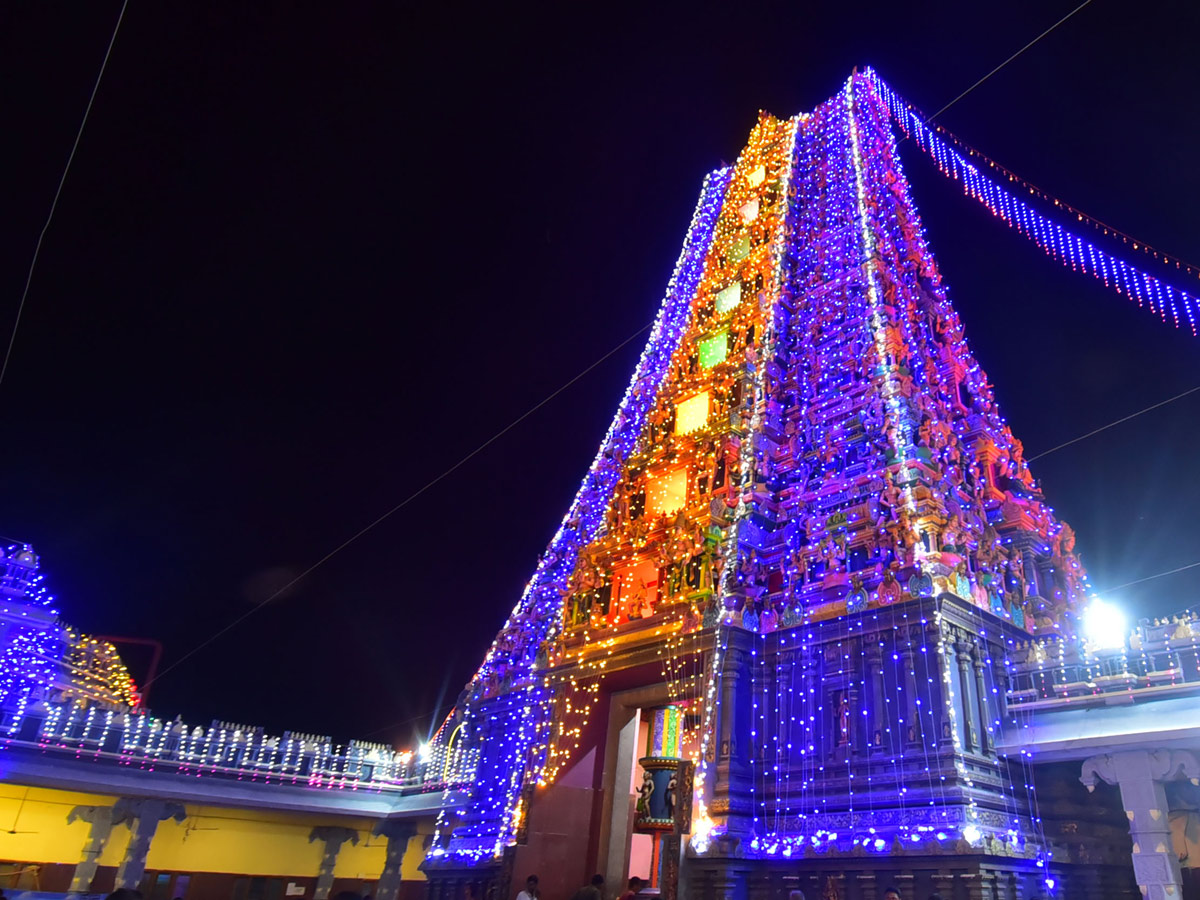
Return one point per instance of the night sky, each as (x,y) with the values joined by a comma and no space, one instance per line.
(309,257)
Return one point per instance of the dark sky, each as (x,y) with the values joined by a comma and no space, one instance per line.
(309,256)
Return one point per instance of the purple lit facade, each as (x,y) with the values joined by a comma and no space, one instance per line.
(834,574)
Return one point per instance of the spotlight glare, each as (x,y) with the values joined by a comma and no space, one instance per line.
(1104,625)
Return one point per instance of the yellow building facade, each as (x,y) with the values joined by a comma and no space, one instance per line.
(215,851)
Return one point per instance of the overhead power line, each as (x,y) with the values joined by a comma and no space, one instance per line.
(1007,61)
(1117,422)
(445,707)
(1098,224)
(399,506)
(12,337)
(1148,578)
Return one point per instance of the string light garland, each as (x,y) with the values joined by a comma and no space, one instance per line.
(1060,243)
(1032,190)
(71,695)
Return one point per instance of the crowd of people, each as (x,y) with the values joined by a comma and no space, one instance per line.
(595,890)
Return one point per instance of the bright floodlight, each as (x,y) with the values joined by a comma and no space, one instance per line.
(972,833)
(424,752)
(1104,625)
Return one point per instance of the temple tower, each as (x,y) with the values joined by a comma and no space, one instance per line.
(810,533)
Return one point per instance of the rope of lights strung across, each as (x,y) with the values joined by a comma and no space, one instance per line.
(1058,242)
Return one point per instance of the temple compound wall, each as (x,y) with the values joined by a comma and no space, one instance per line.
(96,792)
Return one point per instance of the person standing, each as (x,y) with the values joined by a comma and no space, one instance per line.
(531,891)
(635,885)
(592,891)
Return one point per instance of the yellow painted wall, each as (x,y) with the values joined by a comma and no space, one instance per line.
(211,839)
(39,816)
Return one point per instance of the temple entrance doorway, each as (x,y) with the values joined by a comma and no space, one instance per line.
(647,742)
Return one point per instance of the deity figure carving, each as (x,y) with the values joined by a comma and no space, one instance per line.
(842,719)
(768,620)
(889,589)
(645,790)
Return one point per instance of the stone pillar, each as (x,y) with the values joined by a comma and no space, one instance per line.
(905,882)
(101,819)
(911,711)
(672,854)
(962,656)
(981,695)
(988,454)
(731,882)
(333,838)
(878,721)
(1140,775)
(142,817)
(732,804)
(971,884)
(614,859)
(398,833)
(856,696)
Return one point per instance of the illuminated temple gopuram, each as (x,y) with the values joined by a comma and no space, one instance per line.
(805,587)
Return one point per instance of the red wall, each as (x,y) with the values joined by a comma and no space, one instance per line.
(560,846)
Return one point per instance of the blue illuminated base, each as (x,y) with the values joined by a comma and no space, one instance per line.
(865,876)
(891,718)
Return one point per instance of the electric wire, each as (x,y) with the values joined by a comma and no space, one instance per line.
(431,715)
(1117,422)
(417,493)
(1007,61)
(1037,191)
(1147,578)
(12,337)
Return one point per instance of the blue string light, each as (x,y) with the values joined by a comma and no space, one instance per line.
(1068,248)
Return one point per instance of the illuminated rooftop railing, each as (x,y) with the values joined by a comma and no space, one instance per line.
(1160,658)
(228,750)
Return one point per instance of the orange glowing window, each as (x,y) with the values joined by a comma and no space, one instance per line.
(633,585)
(692,414)
(667,492)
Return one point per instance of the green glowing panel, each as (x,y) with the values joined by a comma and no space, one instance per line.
(729,298)
(713,349)
(741,248)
